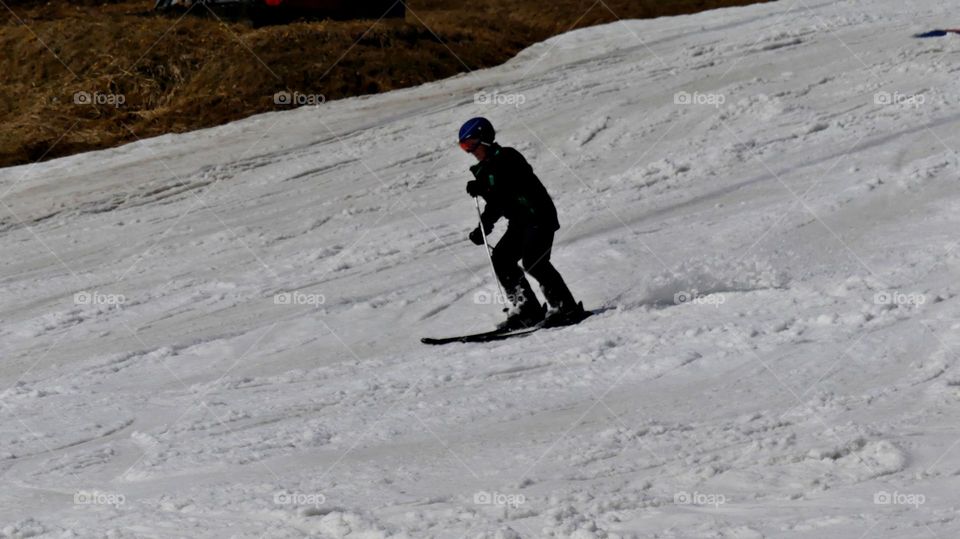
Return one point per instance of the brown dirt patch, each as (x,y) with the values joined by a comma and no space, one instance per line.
(177,74)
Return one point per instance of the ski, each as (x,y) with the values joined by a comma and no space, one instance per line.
(487,336)
(500,334)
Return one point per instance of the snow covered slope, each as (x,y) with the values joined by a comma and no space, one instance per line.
(761,200)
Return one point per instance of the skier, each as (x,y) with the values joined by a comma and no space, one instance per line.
(510,188)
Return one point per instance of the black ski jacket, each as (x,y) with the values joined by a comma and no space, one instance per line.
(512,190)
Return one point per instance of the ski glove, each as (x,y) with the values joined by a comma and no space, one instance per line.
(475,188)
(476,236)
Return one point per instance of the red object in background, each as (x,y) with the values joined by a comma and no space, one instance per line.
(938,33)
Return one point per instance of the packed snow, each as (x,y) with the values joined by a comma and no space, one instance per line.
(216,334)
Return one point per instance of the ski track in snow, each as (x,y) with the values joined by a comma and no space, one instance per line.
(806,227)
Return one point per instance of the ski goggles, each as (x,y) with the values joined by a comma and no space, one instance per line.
(470,144)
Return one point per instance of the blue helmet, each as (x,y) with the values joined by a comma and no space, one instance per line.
(480,128)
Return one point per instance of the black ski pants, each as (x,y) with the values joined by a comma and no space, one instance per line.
(531,246)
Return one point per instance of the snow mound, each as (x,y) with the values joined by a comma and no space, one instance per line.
(705,277)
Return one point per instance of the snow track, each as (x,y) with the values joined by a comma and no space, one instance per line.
(216,334)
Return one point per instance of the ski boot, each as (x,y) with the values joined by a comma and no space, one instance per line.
(565,314)
(528,314)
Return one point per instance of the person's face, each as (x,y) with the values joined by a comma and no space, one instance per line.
(475,148)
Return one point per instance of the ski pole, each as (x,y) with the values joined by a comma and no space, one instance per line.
(489,256)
